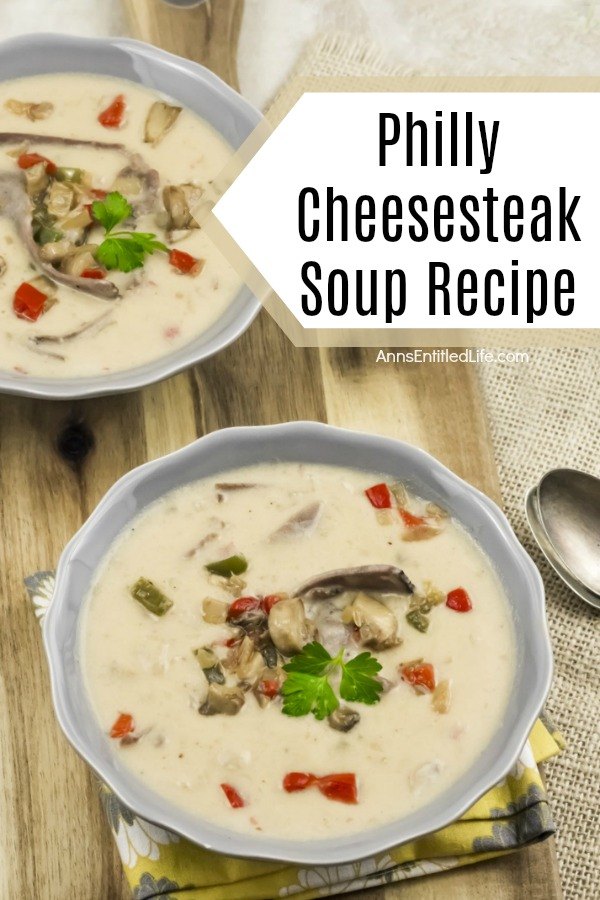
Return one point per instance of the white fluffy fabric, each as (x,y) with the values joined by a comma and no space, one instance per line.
(438,37)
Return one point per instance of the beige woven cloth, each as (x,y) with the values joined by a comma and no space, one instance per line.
(543,413)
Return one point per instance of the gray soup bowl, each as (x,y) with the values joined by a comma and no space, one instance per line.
(311,443)
(196,88)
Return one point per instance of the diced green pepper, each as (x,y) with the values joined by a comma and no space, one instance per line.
(210,665)
(418,620)
(233,565)
(68,173)
(42,226)
(153,599)
(46,235)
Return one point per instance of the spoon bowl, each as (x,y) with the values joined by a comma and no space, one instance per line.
(564,516)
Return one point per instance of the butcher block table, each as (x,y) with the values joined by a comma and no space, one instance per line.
(59,458)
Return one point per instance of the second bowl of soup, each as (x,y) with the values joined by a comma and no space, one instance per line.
(307,653)
(107,280)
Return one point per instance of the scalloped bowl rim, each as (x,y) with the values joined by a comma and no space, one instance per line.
(239,315)
(305,441)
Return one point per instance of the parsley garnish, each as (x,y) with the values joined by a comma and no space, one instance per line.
(111,211)
(123,250)
(307,688)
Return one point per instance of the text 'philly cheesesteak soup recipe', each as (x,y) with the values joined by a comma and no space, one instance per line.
(297,650)
(103,265)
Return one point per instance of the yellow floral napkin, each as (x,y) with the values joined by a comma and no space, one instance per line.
(159,864)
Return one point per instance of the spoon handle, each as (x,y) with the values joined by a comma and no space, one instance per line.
(205,31)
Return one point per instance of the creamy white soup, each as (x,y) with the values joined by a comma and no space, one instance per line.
(103,265)
(297,650)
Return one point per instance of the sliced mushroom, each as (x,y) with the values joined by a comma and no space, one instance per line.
(436,512)
(36,179)
(234,585)
(400,493)
(59,199)
(289,628)
(222,700)
(301,522)
(269,651)
(214,611)
(180,201)
(55,251)
(210,665)
(128,185)
(160,119)
(33,111)
(147,179)
(382,578)
(433,595)
(384,516)
(80,259)
(344,718)
(74,223)
(246,661)
(441,697)
(377,624)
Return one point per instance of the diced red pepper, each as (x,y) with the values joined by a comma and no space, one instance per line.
(269,602)
(410,520)
(235,799)
(340,787)
(28,302)
(98,193)
(380,496)
(112,116)
(27,160)
(298,781)
(459,600)
(232,641)
(269,687)
(242,605)
(185,262)
(122,726)
(93,273)
(419,675)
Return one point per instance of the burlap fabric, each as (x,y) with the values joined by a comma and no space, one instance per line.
(543,413)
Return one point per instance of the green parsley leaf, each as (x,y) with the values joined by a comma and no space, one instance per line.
(358,679)
(307,688)
(303,693)
(112,210)
(126,250)
(314,660)
(122,250)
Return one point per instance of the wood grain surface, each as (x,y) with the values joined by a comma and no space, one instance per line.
(58,459)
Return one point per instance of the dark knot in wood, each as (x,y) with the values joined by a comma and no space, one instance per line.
(74,442)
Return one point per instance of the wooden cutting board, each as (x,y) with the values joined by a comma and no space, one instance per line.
(58,459)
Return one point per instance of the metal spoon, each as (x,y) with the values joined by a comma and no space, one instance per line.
(184,4)
(564,515)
